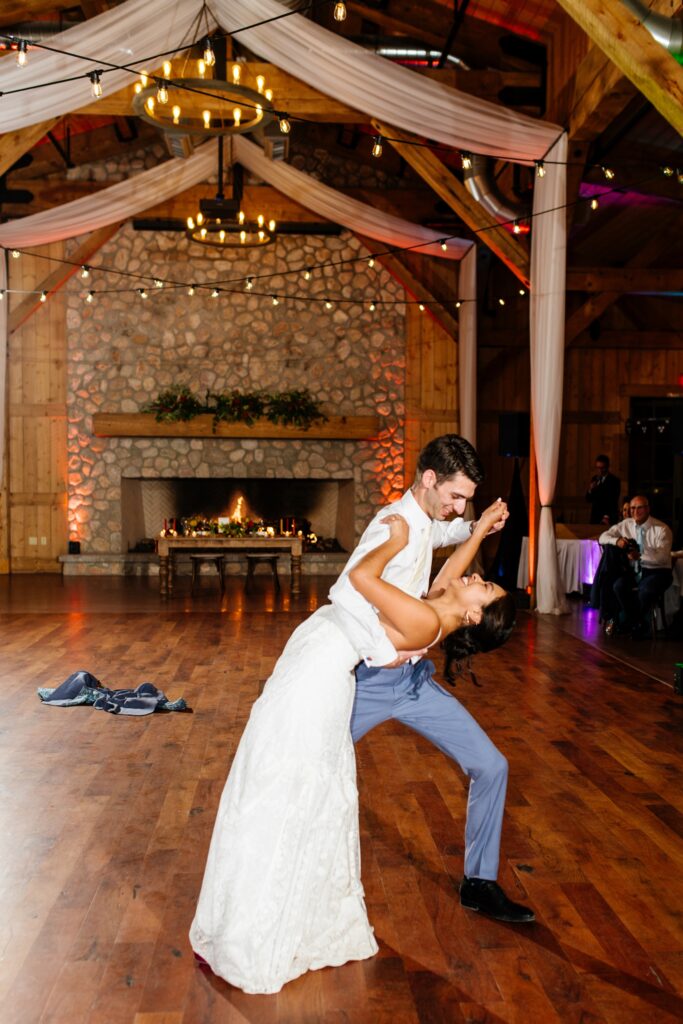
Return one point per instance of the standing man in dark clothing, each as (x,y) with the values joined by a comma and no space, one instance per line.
(603,493)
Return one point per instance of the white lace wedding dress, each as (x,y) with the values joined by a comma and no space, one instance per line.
(281,893)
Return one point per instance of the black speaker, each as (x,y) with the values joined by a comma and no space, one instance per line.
(677,432)
(513,434)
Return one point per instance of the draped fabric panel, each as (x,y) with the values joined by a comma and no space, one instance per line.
(341,209)
(467,347)
(126,35)
(133,31)
(362,80)
(548,278)
(118,202)
(4,304)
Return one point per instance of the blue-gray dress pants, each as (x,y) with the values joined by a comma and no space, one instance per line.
(410,695)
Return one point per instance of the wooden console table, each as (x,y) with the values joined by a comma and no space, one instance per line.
(168,545)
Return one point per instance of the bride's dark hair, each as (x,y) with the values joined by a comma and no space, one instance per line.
(495,627)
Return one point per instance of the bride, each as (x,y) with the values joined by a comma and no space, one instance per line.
(282,893)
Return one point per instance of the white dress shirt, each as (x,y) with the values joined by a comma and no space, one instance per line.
(409,570)
(656,552)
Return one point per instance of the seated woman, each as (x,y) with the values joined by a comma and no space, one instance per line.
(282,893)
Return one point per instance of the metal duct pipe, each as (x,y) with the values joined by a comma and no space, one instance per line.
(668,32)
(480,184)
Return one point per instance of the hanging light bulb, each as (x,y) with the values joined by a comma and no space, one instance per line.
(166,68)
(259,111)
(22,53)
(15,254)
(176,114)
(421,307)
(260,83)
(149,103)
(377,146)
(191,289)
(522,291)
(444,245)
(201,67)
(209,55)
(328,304)
(679,176)
(43,296)
(237,116)
(269,95)
(516,228)
(466,160)
(307,274)
(143,293)
(372,307)
(594,204)
(608,172)
(90,296)
(248,284)
(95,84)
(276,301)
(215,293)
(236,74)
(458,304)
(158,283)
(540,169)
(85,272)
(206,114)
(340,11)
(144,79)
(137,88)
(162,92)
(501,302)
(2,294)
(371,262)
(668,172)
(285,126)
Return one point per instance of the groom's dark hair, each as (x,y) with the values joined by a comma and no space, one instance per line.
(448,455)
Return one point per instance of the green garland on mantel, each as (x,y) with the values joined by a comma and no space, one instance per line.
(289,408)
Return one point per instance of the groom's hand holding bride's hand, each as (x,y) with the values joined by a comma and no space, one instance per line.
(493,518)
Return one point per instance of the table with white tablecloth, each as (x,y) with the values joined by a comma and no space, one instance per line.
(578,561)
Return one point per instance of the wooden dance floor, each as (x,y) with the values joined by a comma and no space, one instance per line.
(106,822)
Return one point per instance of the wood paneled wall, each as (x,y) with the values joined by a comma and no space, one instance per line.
(431,384)
(37,425)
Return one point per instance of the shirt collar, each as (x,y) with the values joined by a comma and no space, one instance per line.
(415,515)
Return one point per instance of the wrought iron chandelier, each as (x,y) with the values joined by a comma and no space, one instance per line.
(222,222)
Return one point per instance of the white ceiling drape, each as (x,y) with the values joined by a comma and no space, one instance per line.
(548,275)
(3,363)
(467,347)
(133,31)
(341,209)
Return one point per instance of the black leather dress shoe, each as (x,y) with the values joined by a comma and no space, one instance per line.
(488,898)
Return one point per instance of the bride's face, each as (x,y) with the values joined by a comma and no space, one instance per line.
(471,594)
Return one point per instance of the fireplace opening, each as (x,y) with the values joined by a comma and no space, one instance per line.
(328,505)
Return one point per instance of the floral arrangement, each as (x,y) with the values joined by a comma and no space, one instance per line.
(290,408)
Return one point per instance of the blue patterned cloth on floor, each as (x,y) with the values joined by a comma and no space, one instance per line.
(83,688)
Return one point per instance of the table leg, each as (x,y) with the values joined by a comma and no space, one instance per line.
(296,575)
(163,575)
(170,573)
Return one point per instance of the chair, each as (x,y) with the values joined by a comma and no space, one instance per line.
(659,612)
(253,561)
(218,561)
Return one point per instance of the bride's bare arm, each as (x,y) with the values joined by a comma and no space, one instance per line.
(412,623)
(457,564)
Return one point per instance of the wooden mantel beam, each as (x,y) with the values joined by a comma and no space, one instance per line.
(513,254)
(619,34)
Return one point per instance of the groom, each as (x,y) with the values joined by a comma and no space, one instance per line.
(391,686)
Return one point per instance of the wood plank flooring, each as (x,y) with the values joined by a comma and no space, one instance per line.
(106,822)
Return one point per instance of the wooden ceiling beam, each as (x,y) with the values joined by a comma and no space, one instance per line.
(512,253)
(413,283)
(624,279)
(631,48)
(58,277)
(13,145)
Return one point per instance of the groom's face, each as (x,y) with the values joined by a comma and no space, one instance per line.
(448,498)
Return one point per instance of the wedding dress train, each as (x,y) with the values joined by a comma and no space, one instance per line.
(281,893)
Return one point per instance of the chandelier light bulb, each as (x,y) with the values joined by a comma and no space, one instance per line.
(190,223)
(260,220)
(200,218)
(259,111)
(240,217)
(285,126)
(260,83)
(95,84)
(269,95)
(466,159)
(22,53)
(237,116)
(377,146)
(149,103)
(206,115)
(248,284)
(271,225)
(243,236)
(89,297)
(209,55)
(236,74)
(276,301)
(176,114)
(162,93)
(85,272)
(202,233)
(261,236)
(340,12)
(221,235)
(166,68)
(540,169)
(137,88)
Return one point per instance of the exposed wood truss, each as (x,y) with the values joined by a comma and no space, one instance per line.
(13,145)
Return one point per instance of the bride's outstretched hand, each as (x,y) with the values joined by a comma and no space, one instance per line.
(398,528)
(493,518)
